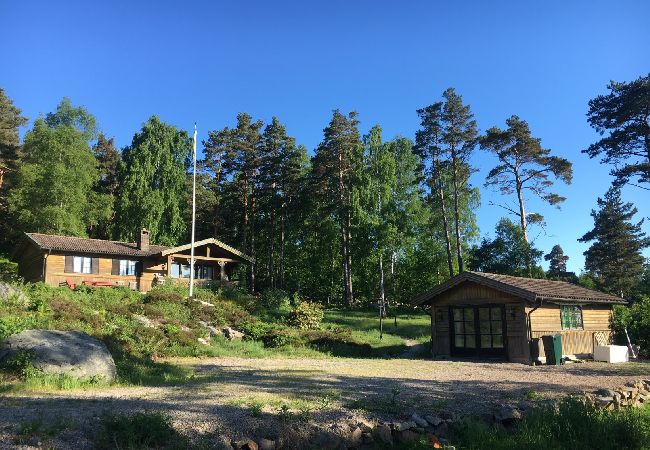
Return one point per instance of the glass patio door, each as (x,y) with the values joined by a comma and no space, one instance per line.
(477,330)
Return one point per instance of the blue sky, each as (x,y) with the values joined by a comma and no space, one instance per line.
(205,61)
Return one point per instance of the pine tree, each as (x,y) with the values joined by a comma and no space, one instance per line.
(557,261)
(10,123)
(336,166)
(153,184)
(614,258)
(625,114)
(54,184)
(108,159)
(524,165)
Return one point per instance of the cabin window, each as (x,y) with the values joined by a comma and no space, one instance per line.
(180,270)
(127,267)
(82,264)
(571,317)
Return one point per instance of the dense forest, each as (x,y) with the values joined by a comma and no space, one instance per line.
(359,218)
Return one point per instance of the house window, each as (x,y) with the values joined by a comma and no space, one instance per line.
(82,264)
(127,267)
(571,317)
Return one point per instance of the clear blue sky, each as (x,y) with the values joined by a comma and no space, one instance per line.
(205,61)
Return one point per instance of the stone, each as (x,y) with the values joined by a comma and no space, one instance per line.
(365,425)
(245,444)
(367,438)
(210,329)
(384,434)
(356,436)
(203,341)
(142,320)
(420,430)
(604,393)
(266,444)
(604,401)
(419,421)
(442,429)
(232,334)
(507,414)
(434,420)
(73,353)
(326,441)
(407,436)
(8,292)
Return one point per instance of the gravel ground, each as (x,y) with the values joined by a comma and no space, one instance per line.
(334,390)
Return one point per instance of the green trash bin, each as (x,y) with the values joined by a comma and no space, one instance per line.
(553,349)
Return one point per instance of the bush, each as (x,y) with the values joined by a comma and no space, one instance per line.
(255,330)
(636,319)
(307,316)
(275,298)
(279,338)
(144,430)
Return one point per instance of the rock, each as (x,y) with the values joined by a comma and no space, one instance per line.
(210,329)
(142,320)
(604,393)
(232,334)
(365,425)
(203,341)
(420,430)
(434,420)
(356,436)
(403,426)
(245,444)
(367,438)
(419,421)
(384,434)
(507,414)
(7,292)
(603,401)
(266,444)
(407,436)
(446,415)
(74,353)
(326,441)
(442,429)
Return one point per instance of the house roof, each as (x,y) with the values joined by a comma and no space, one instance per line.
(530,289)
(100,246)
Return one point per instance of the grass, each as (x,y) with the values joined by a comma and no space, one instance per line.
(572,424)
(144,430)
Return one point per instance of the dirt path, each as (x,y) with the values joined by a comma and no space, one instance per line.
(331,389)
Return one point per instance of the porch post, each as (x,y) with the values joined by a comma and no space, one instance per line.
(222,267)
(169,266)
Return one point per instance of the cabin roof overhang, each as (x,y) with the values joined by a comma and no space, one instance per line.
(213,241)
(532,290)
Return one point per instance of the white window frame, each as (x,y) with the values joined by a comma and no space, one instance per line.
(127,267)
(82,264)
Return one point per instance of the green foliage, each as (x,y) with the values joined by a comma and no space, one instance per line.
(53,186)
(571,425)
(557,261)
(508,253)
(275,298)
(152,191)
(142,430)
(279,338)
(615,259)
(623,113)
(307,315)
(636,319)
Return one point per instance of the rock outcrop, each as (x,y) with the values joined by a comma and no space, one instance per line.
(74,353)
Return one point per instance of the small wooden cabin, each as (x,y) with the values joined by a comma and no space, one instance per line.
(490,315)
(58,260)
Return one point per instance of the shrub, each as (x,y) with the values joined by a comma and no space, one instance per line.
(143,430)
(279,338)
(307,316)
(636,319)
(255,330)
(275,298)
(157,295)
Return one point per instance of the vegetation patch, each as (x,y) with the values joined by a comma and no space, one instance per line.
(143,430)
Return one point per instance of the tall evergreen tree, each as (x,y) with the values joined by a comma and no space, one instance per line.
(152,192)
(336,165)
(54,185)
(557,261)
(108,159)
(524,165)
(625,114)
(614,258)
(10,122)
(233,156)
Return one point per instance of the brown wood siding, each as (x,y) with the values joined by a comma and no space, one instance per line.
(596,319)
(469,293)
(30,264)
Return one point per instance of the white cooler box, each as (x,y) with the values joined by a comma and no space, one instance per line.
(611,353)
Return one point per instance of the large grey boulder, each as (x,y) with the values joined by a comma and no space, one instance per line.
(62,352)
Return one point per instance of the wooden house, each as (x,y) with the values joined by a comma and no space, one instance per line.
(58,260)
(489,315)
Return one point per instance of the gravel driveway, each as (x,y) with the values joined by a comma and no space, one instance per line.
(330,390)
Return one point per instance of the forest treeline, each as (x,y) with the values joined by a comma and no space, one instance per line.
(359,218)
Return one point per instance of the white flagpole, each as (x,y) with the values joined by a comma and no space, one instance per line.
(193,214)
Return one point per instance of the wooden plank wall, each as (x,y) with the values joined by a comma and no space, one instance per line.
(595,318)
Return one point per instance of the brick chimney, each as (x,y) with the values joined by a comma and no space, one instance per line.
(143,240)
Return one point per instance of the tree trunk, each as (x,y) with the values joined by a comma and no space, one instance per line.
(344,217)
(252,221)
(522,217)
(282,244)
(443,212)
(459,247)
(382,293)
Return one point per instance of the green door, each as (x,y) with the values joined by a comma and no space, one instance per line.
(477,330)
